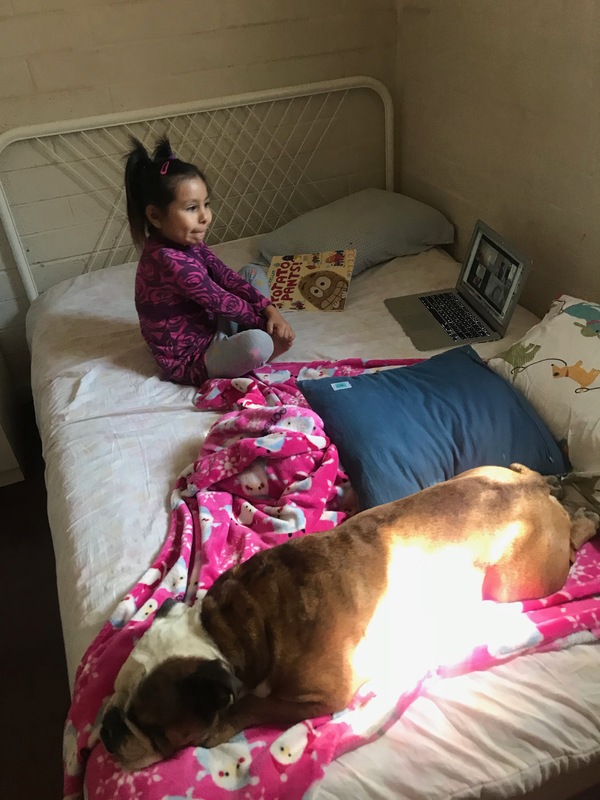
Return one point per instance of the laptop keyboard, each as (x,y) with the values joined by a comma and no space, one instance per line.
(453,316)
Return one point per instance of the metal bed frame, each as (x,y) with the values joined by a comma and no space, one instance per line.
(269,156)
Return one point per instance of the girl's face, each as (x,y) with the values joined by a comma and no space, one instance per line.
(186,219)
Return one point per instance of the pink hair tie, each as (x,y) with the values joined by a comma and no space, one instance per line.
(165,166)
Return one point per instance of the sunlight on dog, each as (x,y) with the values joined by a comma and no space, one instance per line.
(443,592)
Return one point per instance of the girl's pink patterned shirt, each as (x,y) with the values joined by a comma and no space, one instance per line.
(180,294)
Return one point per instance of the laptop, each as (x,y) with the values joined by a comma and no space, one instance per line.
(479,308)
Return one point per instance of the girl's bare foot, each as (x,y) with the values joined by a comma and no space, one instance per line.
(280,346)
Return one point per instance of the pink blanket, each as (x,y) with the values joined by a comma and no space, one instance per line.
(267,472)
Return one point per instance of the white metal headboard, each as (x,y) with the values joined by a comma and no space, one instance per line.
(268,156)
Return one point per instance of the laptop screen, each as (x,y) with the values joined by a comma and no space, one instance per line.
(492,276)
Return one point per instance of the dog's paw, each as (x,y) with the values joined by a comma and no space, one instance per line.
(587,513)
(555,486)
(579,513)
(585,524)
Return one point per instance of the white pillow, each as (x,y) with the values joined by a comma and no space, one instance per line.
(379,225)
(556,365)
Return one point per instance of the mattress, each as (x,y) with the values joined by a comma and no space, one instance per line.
(115,438)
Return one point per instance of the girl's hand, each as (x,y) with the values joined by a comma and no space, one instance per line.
(277,326)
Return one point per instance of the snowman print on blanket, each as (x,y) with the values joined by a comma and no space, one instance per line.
(229,764)
(175,580)
(312,373)
(146,610)
(207,523)
(246,514)
(190,490)
(174,583)
(305,425)
(127,607)
(287,519)
(242,385)
(301,485)
(272,442)
(123,612)
(298,423)
(289,748)
(253,481)
(280,376)
(283,520)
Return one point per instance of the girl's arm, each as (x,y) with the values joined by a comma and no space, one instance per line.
(276,324)
(234,282)
(190,275)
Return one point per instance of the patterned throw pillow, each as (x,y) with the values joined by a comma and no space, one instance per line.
(556,365)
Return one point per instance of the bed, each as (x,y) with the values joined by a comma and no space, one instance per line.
(116,438)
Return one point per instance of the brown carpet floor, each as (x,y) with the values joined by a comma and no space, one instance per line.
(34,694)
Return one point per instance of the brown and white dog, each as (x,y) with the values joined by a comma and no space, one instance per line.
(276,639)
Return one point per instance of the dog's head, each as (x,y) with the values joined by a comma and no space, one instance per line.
(169,693)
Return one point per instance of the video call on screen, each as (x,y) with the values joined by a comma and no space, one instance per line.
(492,274)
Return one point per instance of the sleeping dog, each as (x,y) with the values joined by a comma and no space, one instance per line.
(276,638)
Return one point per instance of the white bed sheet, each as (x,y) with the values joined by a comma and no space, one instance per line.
(115,438)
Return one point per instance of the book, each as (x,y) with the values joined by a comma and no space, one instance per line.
(311,281)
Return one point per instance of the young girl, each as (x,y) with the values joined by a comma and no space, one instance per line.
(189,303)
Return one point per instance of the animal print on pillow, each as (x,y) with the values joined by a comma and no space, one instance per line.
(556,365)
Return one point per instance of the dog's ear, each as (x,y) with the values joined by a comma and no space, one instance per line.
(208,689)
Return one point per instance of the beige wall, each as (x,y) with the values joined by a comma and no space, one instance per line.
(499,118)
(62,59)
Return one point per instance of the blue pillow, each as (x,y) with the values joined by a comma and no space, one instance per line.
(400,430)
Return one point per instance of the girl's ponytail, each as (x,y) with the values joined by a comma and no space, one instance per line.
(162,151)
(137,168)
